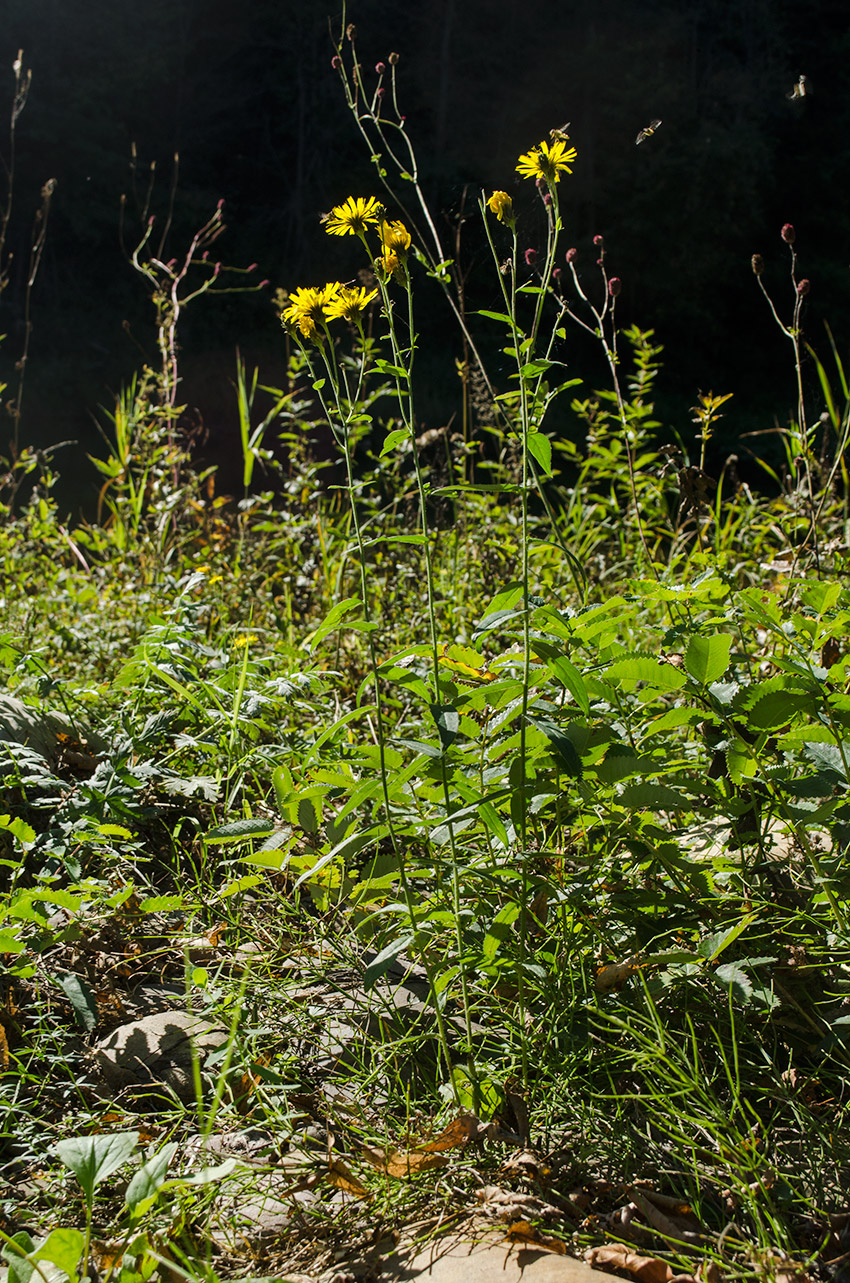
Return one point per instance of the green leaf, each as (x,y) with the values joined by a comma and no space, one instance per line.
(93,1158)
(148,1180)
(63,1248)
(448,722)
(81,998)
(707,658)
(562,747)
(731,975)
(499,930)
(643,668)
(654,797)
(240,830)
(540,447)
(20,1267)
(769,712)
(381,964)
(394,439)
(496,316)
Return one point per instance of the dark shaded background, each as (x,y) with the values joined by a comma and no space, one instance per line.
(246,94)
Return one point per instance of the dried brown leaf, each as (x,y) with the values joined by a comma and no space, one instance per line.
(614,974)
(617,1256)
(424,1157)
(672,1228)
(341,1175)
(524,1232)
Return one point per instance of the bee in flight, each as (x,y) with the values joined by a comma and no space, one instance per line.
(560,133)
(648,132)
(801,89)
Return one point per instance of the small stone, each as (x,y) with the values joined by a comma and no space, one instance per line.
(156,1052)
(490,1259)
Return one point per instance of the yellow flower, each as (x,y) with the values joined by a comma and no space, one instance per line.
(306,310)
(353,216)
(502,206)
(395,239)
(547,160)
(349,303)
(245,641)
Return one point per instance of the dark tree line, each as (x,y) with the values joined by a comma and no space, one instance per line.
(246,95)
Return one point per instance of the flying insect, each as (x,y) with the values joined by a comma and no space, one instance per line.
(648,132)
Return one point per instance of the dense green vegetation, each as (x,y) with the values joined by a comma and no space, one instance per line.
(553,730)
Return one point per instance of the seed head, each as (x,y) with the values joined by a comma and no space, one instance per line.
(570,254)
(757,263)
(597,240)
(393,59)
(614,286)
(803,287)
(351,31)
(788,234)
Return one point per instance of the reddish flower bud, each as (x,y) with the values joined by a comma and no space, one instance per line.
(530,257)
(379,93)
(556,273)
(351,31)
(599,262)
(380,68)
(757,263)
(788,234)
(597,240)
(252,267)
(614,286)
(803,287)
(336,62)
(262,284)
(547,198)
(219,206)
(570,254)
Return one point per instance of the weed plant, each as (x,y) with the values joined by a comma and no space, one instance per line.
(564,751)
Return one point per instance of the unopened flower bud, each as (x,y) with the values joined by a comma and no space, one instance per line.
(614,286)
(556,273)
(758,264)
(547,198)
(336,62)
(252,267)
(599,262)
(530,257)
(379,93)
(803,287)
(597,240)
(380,68)
(393,59)
(788,234)
(570,254)
(262,284)
(351,31)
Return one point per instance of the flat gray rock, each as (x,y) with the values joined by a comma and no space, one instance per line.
(488,1259)
(38,731)
(156,1052)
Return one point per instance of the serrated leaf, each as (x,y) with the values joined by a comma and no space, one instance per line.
(654,797)
(731,975)
(777,708)
(240,830)
(707,658)
(827,756)
(643,668)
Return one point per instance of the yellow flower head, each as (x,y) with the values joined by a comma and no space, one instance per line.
(395,239)
(350,303)
(502,206)
(306,310)
(353,216)
(547,160)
